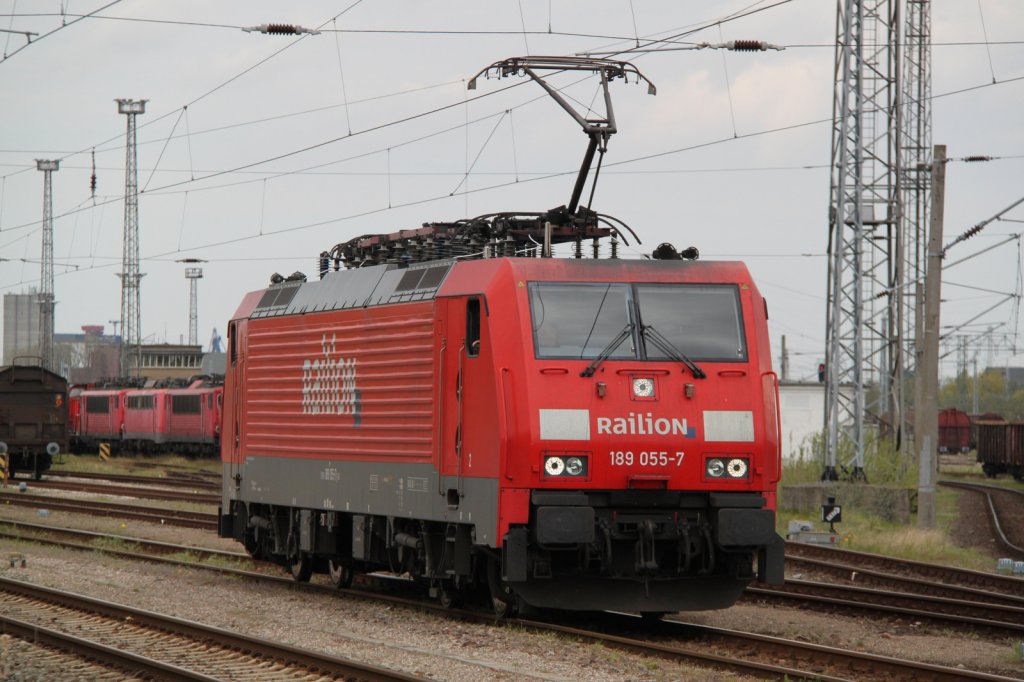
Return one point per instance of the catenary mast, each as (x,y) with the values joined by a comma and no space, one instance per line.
(863,319)
(46,297)
(130,306)
(193,275)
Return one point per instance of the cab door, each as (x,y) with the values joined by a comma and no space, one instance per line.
(232,443)
(470,426)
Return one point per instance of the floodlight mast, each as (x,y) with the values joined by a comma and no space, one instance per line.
(597,129)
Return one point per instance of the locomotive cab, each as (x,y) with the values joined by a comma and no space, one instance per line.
(641,436)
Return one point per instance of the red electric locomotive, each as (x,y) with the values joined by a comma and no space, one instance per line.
(145,420)
(168,416)
(193,417)
(602,434)
(571,433)
(101,417)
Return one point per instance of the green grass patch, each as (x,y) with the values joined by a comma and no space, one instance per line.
(114,543)
(863,532)
(154,465)
(866,532)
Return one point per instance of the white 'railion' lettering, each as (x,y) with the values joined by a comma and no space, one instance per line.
(642,424)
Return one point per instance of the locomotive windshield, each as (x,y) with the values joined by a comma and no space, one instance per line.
(580,320)
(701,320)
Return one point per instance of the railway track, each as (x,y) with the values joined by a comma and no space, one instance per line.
(168,481)
(690,643)
(999,527)
(151,644)
(855,564)
(853,567)
(1000,619)
(895,595)
(737,651)
(150,493)
(892,582)
(171,517)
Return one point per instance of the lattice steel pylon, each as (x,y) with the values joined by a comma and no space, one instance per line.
(46,299)
(193,275)
(131,317)
(916,179)
(863,326)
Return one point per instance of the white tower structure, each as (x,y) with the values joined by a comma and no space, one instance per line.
(46,299)
(131,317)
(193,275)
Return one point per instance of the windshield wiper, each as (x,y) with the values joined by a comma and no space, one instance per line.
(666,347)
(608,350)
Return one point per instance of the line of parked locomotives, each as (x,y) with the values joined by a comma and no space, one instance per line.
(179,416)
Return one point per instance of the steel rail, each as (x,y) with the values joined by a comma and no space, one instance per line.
(129,491)
(103,655)
(993,582)
(1002,619)
(901,583)
(218,648)
(985,489)
(172,517)
(154,546)
(168,481)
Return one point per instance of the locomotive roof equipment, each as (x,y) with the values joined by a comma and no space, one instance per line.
(516,233)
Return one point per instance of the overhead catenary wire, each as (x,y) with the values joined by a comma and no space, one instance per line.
(154,120)
(395,173)
(64,24)
(551,175)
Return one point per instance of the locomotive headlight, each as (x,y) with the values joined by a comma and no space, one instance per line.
(554,466)
(715,468)
(737,467)
(643,387)
(574,466)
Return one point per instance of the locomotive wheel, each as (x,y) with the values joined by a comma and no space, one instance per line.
(450,595)
(502,600)
(341,576)
(251,544)
(302,568)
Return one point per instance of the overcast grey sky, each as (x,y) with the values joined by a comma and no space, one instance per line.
(256,152)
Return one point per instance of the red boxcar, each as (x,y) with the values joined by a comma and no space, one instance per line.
(1001,447)
(532,424)
(954,430)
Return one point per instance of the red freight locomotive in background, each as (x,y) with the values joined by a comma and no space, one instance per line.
(182,418)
